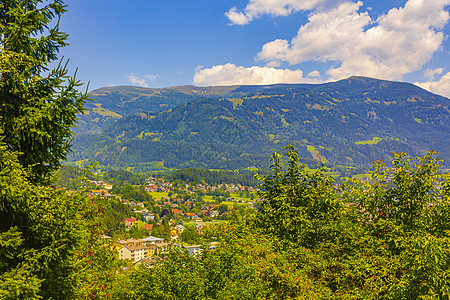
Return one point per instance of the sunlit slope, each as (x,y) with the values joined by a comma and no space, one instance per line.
(348,122)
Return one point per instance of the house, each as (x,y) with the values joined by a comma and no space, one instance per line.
(134,252)
(176,211)
(149,262)
(179,228)
(191,215)
(129,242)
(148,227)
(103,192)
(198,219)
(214,214)
(204,212)
(129,222)
(149,217)
(213,245)
(152,240)
(151,187)
(96,192)
(194,249)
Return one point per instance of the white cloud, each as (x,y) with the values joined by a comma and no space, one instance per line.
(441,87)
(141,81)
(430,73)
(230,74)
(397,43)
(273,64)
(237,18)
(257,8)
(314,73)
(198,68)
(151,77)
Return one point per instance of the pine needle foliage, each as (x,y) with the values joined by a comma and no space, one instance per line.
(38,99)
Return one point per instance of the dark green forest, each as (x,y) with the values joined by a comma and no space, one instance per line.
(201,176)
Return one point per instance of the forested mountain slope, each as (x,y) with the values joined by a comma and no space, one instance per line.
(349,122)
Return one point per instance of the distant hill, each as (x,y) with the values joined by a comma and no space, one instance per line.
(112,103)
(348,123)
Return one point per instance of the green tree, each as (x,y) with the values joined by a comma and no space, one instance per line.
(49,240)
(298,205)
(312,239)
(50,244)
(190,235)
(405,210)
(222,208)
(386,238)
(38,105)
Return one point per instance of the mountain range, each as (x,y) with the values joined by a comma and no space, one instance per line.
(346,124)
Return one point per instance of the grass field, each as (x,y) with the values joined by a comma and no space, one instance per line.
(159,195)
(232,204)
(237,196)
(208,198)
(206,223)
(362,176)
(373,141)
(104,112)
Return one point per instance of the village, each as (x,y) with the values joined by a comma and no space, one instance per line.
(178,215)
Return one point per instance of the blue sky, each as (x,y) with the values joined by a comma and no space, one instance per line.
(222,42)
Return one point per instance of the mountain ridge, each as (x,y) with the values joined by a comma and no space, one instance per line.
(348,122)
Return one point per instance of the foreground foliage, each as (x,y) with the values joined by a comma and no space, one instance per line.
(385,239)
(49,240)
(37,104)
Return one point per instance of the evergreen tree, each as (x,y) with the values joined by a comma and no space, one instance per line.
(38,105)
(49,240)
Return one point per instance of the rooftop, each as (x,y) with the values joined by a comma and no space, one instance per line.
(152,239)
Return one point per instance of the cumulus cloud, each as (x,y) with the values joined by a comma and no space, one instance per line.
(141,81)
(396,43)
(237,18)
(230,74)
(441,87)
(314,73)
(257,8)
(273,64)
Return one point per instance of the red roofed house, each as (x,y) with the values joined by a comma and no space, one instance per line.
(191,215)
(129,222)
(148,227)
(177,211)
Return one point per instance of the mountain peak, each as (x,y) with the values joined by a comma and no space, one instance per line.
(348,122)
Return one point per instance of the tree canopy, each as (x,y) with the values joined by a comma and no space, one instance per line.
(49,239)
(387,238)
(38,102)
